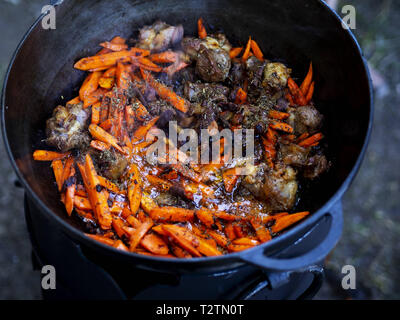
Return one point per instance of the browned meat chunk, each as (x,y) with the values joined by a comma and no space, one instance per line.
(255,69)
(111,163)
(276,75)
(294,155)
(280,189)
(212,56)
(159,36)
(305,119)
(66,129)
(209,92)
(315,166)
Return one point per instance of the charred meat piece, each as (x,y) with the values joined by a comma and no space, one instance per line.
(254,180)
(213,65)
(305,119)
(237,73)
(66,129)
(159,36)
(200,92)
(315,166)
(280,188)
(294,155)
(276,75)
(111,164)
(255,70)
(211,55)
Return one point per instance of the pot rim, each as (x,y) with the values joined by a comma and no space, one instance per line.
(304,225)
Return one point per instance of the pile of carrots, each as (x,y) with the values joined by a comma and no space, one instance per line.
(129,218)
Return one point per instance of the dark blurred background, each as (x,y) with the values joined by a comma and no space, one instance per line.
(371,235)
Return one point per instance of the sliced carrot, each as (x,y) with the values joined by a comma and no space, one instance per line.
(102,135)
(118,244)
(101,239)
(99,145)
(82,203)
(139,233)
(238,247)
(311,140)
(296,93)
(70,192)
(235,52)
(183,237)
(154,244)
(201,29)
(141,132)
(118,226)
(107,124)
(146,64)
(168,56)
(147,203)
(109,59)
(305,86)
(310,92)
(141,112)
(44,155)
(207,249)
(246,53)
(114,46)
(218,237)
(97,198)
(256,50)
(74,100)
(229,231)
(166,93)
(110,72)
(282,126)
(175,214)
(122,76)
(175,67)
(58,169)
(96,112)
(241,96)
(230,178)
(106,83)
(104,182)
(278,115)
(261,231)
(159,183)
(287,220)
(90,84)
(134,188)
(246,241)
(205,216)
(179,252)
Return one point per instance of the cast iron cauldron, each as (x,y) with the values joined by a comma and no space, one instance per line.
(41,75)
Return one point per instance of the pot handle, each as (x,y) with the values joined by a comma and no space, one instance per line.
(259,259)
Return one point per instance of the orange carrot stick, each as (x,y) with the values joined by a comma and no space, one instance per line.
(58,169)
(278,115)
(256,50)
(230,178)
(106,82)
(175,214)
(74,100)
(109,185)
(154,244)
(102,135)
(287,220)
(82,203)
(69,195)
(114,46)
(139,233)
(201,29)
(304,87)
(134,188)
(109,59)
(99,145)
(206,217)
(44,155)
(282,126)
(311,140)
(235,52)
(246,53)
(183,237)
(296,92)
(166,93)
(261,231)
(97,198)
(96,112)
(168,56)
(140,133)
(241,96)
(122,76)
(310,92)
(90,84)
(110,72)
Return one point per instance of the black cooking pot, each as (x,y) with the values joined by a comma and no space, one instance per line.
(41,75)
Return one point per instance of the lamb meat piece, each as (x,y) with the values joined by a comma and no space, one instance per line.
(213,65)
(211,55)
(209,92)
(315,166)
(110,163)
(276,75)
(157,107)
(255,70)
(280,188)
(254,180)
(294,155)
(66,129)
(305,119)
(159,36)
(237,73)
